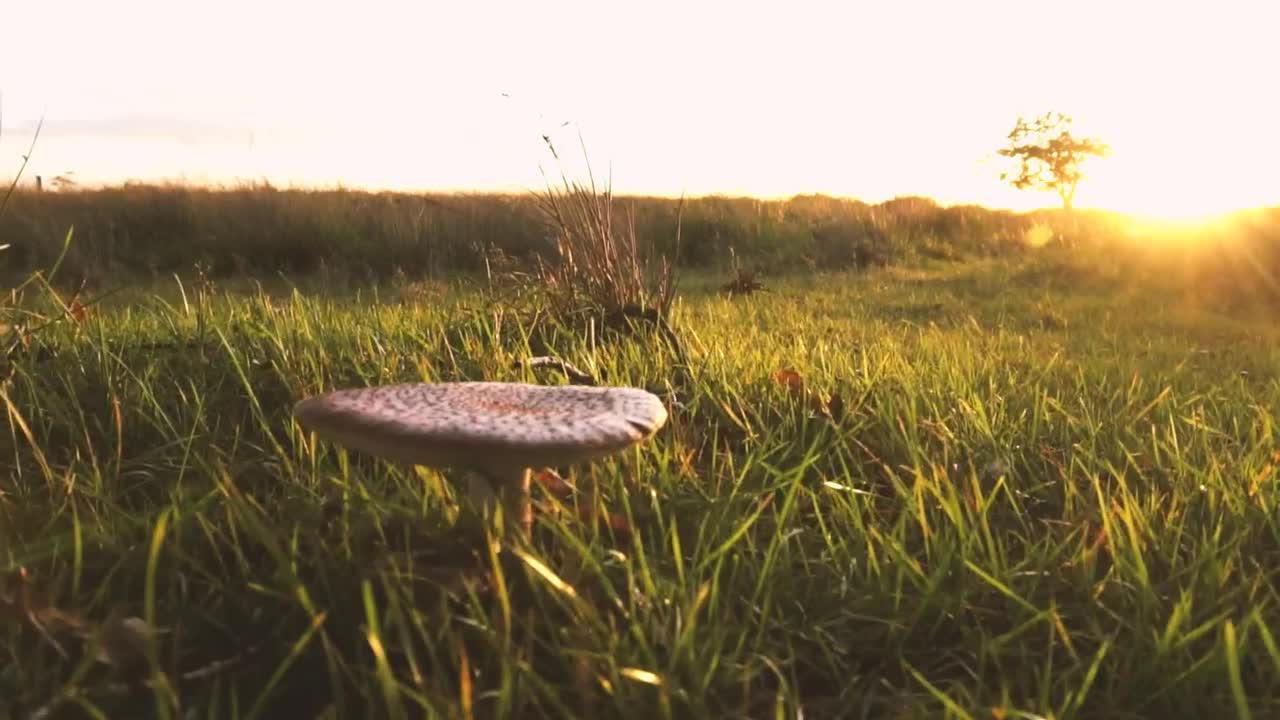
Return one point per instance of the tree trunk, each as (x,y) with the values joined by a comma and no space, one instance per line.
(1068,195)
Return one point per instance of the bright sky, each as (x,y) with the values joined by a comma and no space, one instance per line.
(863,98)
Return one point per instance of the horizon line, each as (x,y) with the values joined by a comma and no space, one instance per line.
(246,183)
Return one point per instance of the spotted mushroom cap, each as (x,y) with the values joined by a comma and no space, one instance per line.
(484,424)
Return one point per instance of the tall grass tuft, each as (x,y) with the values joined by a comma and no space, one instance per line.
(598,258)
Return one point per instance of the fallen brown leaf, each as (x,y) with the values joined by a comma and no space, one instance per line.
(77,310)
(605,521)
(790,378)
(831,408)
(553,483)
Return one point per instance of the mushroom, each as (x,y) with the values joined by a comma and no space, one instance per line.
(498,430)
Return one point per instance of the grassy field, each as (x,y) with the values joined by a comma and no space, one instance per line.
(145,232)
(997,489)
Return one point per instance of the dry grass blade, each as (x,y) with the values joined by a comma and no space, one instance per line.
(35,136)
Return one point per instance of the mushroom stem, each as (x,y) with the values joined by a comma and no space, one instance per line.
(512,485)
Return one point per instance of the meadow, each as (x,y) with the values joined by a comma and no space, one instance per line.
(940,470)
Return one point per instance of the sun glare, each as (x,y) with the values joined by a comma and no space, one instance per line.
(1156,209)
(1158,192)
(1183,161)
(1153,202)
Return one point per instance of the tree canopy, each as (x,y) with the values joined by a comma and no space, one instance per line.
(1049,156)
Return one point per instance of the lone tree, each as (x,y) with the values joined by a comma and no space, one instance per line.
(1049,156)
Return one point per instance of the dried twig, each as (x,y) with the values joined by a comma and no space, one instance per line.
(575,375)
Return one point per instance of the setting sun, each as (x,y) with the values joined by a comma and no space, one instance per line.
(1165,171)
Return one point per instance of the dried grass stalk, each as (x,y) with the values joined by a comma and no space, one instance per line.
(598,258)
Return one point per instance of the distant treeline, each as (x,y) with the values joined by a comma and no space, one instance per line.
(139,231)
(166,229)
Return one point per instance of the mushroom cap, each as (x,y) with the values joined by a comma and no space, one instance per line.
(484,425)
